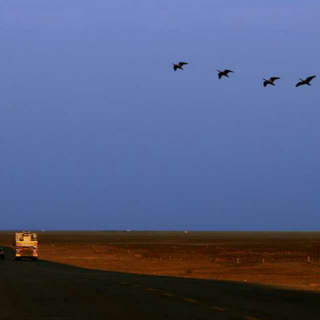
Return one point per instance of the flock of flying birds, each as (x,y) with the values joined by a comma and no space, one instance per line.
(226,72)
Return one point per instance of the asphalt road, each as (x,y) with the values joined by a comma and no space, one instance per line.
(44,290)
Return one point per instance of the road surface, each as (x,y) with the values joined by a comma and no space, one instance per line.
(44,290)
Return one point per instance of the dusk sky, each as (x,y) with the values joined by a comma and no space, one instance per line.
(98,132)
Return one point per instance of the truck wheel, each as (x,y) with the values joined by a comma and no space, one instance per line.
(34,259)
(18,258)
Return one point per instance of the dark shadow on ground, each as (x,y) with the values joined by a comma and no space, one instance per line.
(78,292)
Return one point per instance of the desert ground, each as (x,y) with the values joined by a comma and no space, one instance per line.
(164,275)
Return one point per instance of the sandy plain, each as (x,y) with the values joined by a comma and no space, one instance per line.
(202,255)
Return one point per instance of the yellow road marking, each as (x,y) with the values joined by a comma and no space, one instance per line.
(190,300)
(218,308)
(167,294)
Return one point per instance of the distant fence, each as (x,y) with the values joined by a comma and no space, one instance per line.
(270,255)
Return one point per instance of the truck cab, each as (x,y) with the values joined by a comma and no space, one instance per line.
(26,245)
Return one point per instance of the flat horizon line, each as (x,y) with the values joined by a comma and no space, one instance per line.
(137,230)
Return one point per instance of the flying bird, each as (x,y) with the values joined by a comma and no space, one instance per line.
(224,73)
(303,82)
(270,81)
(178,65)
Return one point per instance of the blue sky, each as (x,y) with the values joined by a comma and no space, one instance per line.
(98,132)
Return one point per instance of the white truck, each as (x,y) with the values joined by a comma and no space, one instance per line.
(26,245)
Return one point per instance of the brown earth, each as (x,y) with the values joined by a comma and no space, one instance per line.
(123,283)
(202,255)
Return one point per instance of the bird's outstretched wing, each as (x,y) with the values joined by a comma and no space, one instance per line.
(265,83)
(220,75)
(227,71)
(182,63)
(299,84)
(310,78)
(175,67)
(274,78)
